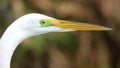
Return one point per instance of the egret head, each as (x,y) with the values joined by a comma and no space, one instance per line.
(34,24)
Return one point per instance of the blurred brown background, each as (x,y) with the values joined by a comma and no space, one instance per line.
(81,49)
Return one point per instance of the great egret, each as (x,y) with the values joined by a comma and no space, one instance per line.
(34,24)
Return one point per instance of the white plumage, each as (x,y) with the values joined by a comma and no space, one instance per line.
(23,28)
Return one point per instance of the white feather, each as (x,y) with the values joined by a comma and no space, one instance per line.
(23,28)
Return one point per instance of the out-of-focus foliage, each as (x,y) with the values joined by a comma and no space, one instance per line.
(81,49)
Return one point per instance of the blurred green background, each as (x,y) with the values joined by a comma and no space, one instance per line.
(80,49)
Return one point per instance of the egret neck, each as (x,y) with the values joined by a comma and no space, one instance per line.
(6,50)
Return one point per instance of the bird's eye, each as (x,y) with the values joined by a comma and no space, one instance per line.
(45,23)
(42,22)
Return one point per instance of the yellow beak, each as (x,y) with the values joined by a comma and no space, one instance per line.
(77,26)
